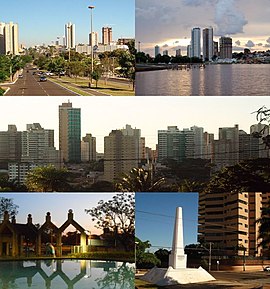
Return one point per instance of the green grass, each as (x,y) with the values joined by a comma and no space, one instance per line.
(2,91)
(145,285)
(111,88)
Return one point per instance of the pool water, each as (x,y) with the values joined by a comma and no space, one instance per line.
(66,274)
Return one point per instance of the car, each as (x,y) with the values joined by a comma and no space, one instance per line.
(43,78)
(34,73)
(20,76)
(266,269)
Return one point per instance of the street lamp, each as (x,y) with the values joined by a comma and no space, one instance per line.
(91,37)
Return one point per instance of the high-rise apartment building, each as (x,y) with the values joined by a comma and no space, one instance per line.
(157,50)
(227,220)
(122,152)
(70,35)
(70,132)
(208,44)
(9,38)
(263,129)
(93,39)
(10,146)
(106,35)
(178,52)
(225,47)
(88,148)
(215,48)
(196,42)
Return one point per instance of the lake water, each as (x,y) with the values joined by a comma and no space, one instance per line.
(63,274)
(216,80)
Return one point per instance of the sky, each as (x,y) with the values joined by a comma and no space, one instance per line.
(43,21)
(155,217)
(168,23)
(101,115)
(58,204)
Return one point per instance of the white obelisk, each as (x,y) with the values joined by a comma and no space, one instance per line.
(177,258)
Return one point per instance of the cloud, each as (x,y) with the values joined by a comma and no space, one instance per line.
(250,43)
(267,45)
(268,40)
(228,18)
(259,44)
(165,45)
(238,42)
(193,2)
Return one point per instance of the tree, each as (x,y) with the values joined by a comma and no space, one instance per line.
(47,179)
(139,180)
(7,185)
(264,227)
(96,74)
(163,256)
(246,176)
(145,259)
(118,217)
(7,205)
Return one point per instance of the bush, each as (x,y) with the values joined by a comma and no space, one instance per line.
(2,91)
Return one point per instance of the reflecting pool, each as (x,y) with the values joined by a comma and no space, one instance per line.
(66,274)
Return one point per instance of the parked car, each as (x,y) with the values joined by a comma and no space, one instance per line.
(267,269)
(20,76)
(43,78)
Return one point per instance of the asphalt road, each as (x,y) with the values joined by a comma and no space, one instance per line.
(30,85)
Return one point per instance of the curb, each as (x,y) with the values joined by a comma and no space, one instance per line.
(63,87)
(8,89)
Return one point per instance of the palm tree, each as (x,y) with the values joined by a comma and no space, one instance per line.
(139,180)
(47,179)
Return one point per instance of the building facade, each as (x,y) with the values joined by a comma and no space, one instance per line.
(196,42)
(225,47)
(208,44)
(70,132)
(9,38)
(70,35)
(107,35)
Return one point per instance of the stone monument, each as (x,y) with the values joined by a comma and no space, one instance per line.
(177,273)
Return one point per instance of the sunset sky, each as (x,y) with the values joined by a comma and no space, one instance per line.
(169,23)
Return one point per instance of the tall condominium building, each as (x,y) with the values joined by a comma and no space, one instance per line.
(196,42)
(171,144)
(208,44)
(227,220)
(70,132)
(9,38)
(88,148)
(166,52)
(215,48)
(157,50)
(225,47)
(121,152)
(226,148)
(93,39)
(178,52)
(189,51)
(263,129)
(107,35)
(70,35)
(10,146)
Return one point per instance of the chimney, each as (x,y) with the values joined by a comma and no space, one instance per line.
(6,216)
(29,219)
(48,217)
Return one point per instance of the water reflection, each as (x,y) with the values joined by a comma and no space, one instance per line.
(214,80)
(71,274)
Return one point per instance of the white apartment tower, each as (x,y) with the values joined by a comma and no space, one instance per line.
(196,42)
(70,35)
(9,38)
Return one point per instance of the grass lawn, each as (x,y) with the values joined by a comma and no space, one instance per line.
(111,88)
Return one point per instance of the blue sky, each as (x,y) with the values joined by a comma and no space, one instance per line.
(38,204)
(43,21)
(157,225)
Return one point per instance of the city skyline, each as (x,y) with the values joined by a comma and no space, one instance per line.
(211,114)
(30,18)
(243,20)
(38,205)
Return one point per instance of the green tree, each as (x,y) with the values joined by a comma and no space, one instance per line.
(145,259)
(139,180)
(117,216)
(7,205)
(96,75)
(7,185)
(163,256)
(57,65)
(47,179)
(5,66)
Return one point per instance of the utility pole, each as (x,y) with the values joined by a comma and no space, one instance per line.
(210,256)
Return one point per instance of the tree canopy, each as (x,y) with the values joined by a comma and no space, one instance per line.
(7,204)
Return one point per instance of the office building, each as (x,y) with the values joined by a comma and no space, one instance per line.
(166,53)
(107,35)
(189,51)
(227,220)
(225,47)
(93,39)
(215,48)
(70,132)
(9,38)
(196,42)
(70,35)
(208,44)
(178,52)
(157,50)
(122,152)
(263,130)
